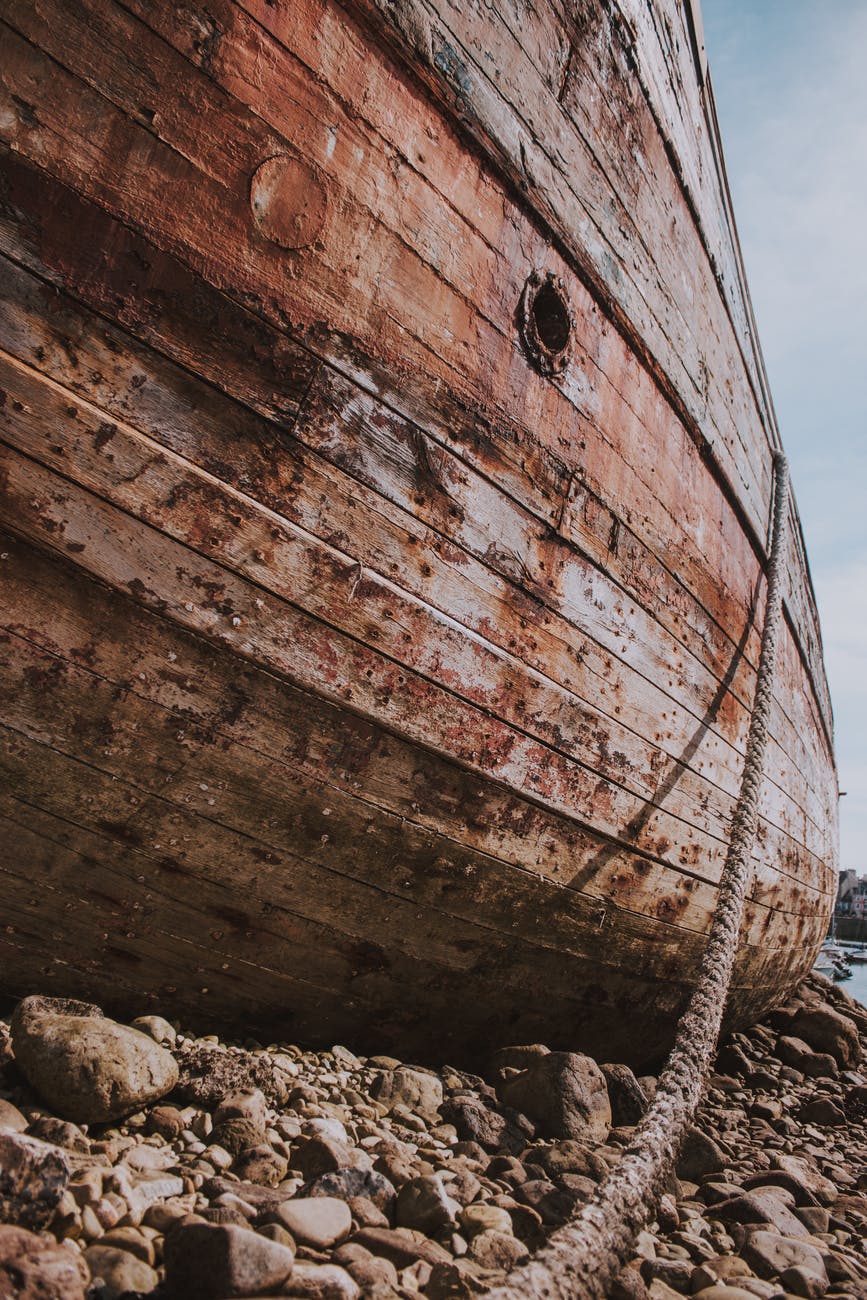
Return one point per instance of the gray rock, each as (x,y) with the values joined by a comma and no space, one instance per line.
(321,1282)
(213,1261)
(156,1028)
(243,1103)
(237,1134)
(802,1281)
(826,1030)
(403,1246)
(11,1119)
(498,1250)
(794,1052)
(261,1164)
(418,1090)
(351,1183)
(484,1217)
(422,1203)
(318,1221)
(321,1154)
(32,1268)
(805,1173)
(627,1097)
(119,1271)
(33,1178)
(564,1094)
(475,1121)
(88,1068)
(699,1156)
(764,1207)
(769,1254)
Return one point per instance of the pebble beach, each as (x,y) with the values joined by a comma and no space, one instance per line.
(143,1161)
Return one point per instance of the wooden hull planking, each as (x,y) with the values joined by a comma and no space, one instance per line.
(359,679)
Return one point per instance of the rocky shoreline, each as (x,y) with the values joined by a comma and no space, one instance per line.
(142,1161)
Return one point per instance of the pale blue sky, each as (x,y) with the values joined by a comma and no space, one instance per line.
(791,93)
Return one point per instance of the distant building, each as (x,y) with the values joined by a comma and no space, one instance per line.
(851,894)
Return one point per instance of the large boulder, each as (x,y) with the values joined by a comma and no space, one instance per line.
(564,1094)
(826,1030)
(88,1068)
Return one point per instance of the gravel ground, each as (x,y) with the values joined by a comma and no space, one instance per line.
(142,1160)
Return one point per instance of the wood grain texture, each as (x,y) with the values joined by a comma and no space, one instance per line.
(351,665)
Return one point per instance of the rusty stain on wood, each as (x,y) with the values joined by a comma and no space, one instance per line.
(385,472)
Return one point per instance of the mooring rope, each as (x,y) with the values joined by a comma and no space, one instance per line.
(581,1259)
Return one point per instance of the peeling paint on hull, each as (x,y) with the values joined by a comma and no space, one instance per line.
(384,485)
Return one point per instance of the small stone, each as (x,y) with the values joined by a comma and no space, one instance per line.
(11,1119)
(699,1156)
(402,1246)
(805,1174)
(423,1204)
(796,1053)
(88,1068)
(32,1268)
(350,1183)
(628,1285)
(276,1232)
(770,1254)
(821,1110)
(322,1154)
(483,1217)
(477,1122)
(237,1134)
(764,1207)
(156,1028)
(213,1261)
(261,1164)
(722,1292)
(564,1093)
(369,1271)
(627,1098)
(119,1271)
(33,1178)
(133,1240)
(802,1281)
(826,1030)
(167,1121)
(676,1273)
(498,1250)
(418,1090)
(243,1103)
(321,1282)
(320,1221)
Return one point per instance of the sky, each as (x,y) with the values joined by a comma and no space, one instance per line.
(791,94)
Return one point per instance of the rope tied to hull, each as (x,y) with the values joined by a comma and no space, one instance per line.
(580,1259)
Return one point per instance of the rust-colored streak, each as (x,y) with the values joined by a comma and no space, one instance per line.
(383,575)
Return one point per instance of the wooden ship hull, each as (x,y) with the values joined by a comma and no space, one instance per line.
(385,485)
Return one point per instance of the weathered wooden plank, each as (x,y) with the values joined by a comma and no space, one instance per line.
(138,475)
(436,581)
(137,391)
(662,545)
(328,749)
(462,909)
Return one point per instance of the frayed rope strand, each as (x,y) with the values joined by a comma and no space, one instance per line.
(581,1259)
